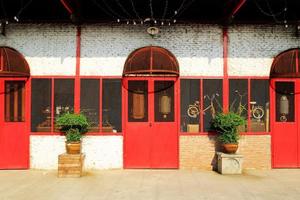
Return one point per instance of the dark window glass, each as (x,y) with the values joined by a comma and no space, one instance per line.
(14,101)
(111,106)
(238,99)
(190,105)
(89,102)
(212,100)
(164,101)
(41,105)
(137,101)
(260,106)
(63,96)
(285,101)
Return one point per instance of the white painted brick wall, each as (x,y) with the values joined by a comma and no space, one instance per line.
(49,49)
(253,47)
(198,48)
(102,152)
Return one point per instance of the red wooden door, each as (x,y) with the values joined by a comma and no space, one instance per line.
(14,136)
(285,119)
(151,136)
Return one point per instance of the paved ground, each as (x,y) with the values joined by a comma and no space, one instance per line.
(150,184)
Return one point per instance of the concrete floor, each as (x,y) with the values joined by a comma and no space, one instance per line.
(150,184)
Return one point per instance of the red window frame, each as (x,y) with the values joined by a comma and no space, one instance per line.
(77,99)
(225,103)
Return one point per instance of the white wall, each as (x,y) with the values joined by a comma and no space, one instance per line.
(198,48)
(102,152)
(48,49)
(253,47)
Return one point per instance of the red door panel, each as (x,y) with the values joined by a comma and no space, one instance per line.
(14,137)
(285,120)
(151,142)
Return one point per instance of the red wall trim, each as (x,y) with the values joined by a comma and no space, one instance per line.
(77,76)
(225,70)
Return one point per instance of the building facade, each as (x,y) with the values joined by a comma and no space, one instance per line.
(82,69)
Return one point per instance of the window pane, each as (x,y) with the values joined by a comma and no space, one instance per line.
(189,105)
(137,101)
(14,101)
(41,105)
(212,100)
(112,106)
(89,102)
(63,96)
(238,99)
(260,106)
(164,101)
(285,101)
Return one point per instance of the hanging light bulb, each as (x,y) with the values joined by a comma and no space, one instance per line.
(16,18)
(162,23)
(155,21)
(118,20)
(134,23)
(174,20)
(127,22)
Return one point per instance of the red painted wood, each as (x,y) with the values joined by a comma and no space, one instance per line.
(77,76)
(285,135)
(151,144)
(14,136)
(225,71)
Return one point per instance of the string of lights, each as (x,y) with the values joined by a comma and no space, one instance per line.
(271,13)
(123,9)
(136,13)
(103,10)
(111,10)
(16,17)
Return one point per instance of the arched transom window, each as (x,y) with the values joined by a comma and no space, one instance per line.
(286,65)
(12,63)
(151,60)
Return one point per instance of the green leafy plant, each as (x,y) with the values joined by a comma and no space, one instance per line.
(73,125)
(73,135)
(226,125)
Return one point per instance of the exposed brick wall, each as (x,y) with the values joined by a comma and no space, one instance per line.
(198,48)
(253,47)
(198,152)
(50,49)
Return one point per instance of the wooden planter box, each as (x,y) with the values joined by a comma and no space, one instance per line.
(70,165)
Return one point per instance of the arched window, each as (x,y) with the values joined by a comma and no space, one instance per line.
(286,65)
(151,60)
(12,63)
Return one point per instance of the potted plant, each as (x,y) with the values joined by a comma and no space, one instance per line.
(73,126)
(226,125)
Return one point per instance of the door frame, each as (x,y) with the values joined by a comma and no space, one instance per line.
(27,111)
(296,82)
(176,107)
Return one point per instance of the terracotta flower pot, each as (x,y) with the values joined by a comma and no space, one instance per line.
(230,148)
(73,147)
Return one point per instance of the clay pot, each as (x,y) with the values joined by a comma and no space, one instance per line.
(73,147)
(230,148)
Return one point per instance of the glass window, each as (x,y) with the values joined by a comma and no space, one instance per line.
(89,102)
(190,105)
(164,101)
(14,101)
(41,105)
(212,100)
(285,101)
(260,106)
(238,99)
(63,96)
(111,106)
(137,101)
